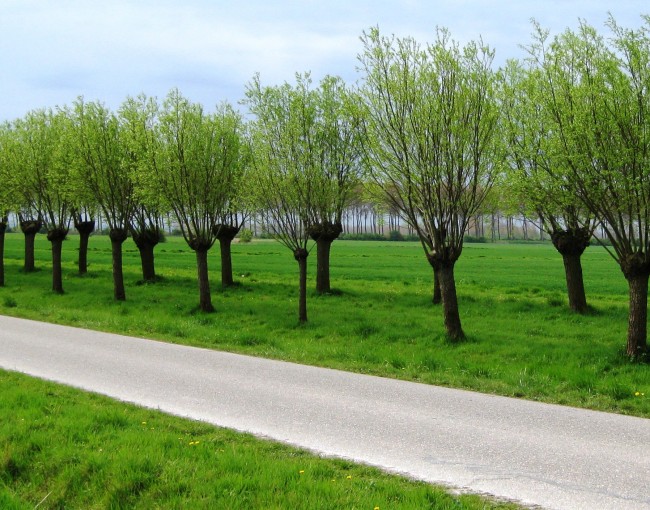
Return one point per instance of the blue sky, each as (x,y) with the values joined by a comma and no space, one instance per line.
(54,51)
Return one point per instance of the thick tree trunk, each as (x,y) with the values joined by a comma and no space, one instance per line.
(575,283)
(205,300)
(85,228)
(636,269)
(301,256)
(56,238)
(147,261)
(118,236)
(450,301)
(226,262)
(571,244)
(324,234)
(30,228)
(3,230)
(323,248)
(638,315)
(146,241)
(225,234)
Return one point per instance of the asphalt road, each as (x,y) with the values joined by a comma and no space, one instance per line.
(538,454)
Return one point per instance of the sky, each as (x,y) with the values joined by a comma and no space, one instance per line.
(52,52)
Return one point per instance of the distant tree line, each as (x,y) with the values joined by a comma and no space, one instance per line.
(433,141)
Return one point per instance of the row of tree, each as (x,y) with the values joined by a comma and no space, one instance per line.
(429,131)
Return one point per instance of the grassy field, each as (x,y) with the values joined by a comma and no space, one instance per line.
(522,339)
(62,448)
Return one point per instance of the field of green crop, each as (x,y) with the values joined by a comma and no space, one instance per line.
(522,339)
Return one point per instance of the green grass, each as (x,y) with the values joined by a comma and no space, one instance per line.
(62,448)
(522,339)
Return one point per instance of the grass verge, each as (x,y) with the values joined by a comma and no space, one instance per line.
(63,448)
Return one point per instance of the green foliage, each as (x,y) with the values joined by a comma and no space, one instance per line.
(395,235)
(245,235)
(102,164)
(362,237)
(431,118)
(199,160)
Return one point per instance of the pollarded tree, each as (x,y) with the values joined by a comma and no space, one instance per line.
(533,176)
(45,178)
(287,172)
(595,94)
(337,140)
(431,116)
(236,211)
(25,196)
(146,225)
(83,216)
(101,166)
(195,161)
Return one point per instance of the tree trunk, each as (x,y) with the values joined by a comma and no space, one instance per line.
(147,261)
(56,238)
(85,228)
(301,256)
(205,300)
(575,283)
(30,228)
(3,229)
(450,301)
(571,244)
(323,247)
(636,269)
(437,295)
(324,234)
(146,240)
(225,234)
(118,236)
(638,317)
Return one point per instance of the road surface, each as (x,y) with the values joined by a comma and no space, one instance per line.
(538,454)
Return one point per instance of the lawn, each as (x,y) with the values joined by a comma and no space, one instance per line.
(522,339)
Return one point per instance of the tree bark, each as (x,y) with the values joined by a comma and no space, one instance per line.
(301,256)
(323,248)
(85,228)
(435,265)
(638,315)
(450,301)
(575,283)
(146,240)
(118,236)
(636,269)
(3,230)
(225,234)
(30,228)
(324,234)
(571,244)
(205,300)
(437,295)
(56,238)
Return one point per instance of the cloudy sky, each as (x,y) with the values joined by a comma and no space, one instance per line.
(54,51)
